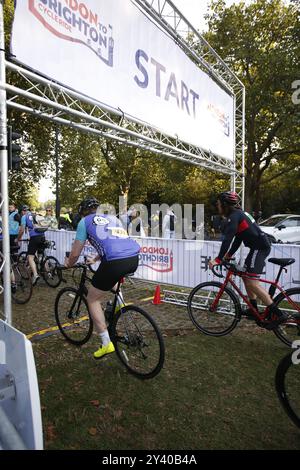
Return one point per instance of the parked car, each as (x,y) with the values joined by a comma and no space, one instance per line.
(285,228)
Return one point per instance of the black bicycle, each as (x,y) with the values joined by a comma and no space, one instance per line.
(287,382)
(46,265)
(21,287)
(137,339)
(21,284)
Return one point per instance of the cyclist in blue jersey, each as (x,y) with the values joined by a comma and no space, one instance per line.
(37,238)
(118,254)
(14,227)
(241,227)
(14,224)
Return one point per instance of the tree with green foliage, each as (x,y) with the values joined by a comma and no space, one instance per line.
(259,41)
(37,135)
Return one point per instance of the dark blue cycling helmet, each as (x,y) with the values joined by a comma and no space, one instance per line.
(88,204)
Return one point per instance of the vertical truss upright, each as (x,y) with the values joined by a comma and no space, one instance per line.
(49,100)
(165,13)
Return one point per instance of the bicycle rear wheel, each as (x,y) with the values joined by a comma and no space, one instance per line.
(213,321)
(287,382)
(138,342)
(51,274)
(22,284)
(289,331)
(72,316)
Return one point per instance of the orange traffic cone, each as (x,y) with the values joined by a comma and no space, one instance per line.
(157,298)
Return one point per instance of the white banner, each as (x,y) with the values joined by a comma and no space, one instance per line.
(112,52)
(183,262)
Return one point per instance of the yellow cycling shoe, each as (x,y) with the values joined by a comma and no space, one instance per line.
(103,350)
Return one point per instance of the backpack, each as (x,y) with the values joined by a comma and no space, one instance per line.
(37,226)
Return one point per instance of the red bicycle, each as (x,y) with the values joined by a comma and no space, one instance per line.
(215,308)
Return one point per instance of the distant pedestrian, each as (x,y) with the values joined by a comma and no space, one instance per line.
(168,227)
(65,222)
(49,220)
(136,227)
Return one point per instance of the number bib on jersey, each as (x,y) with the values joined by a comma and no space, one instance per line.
(118,232)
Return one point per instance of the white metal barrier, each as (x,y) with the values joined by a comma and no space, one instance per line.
(183,262)
(20,410)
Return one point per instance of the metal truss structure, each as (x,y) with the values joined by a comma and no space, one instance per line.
(198,50)
(49,100)
(174,297)
(46,99)
(180,298)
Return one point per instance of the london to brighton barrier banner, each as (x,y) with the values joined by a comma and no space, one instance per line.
(111,51)
(181,262)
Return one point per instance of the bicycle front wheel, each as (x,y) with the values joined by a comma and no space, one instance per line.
(211,313)
(138,342)
(289,331)
(287,382)
(72,316)
(21,284)
(23,258)
(51,274)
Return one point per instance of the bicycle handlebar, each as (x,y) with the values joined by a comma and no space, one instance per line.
(214,270)
(227,265)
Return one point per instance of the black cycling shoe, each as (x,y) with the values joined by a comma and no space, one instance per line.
(275,323)
(248,313)
(13,288)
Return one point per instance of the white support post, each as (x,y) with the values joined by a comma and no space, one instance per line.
(4,176)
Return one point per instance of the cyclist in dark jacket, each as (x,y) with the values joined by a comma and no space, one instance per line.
(241,227)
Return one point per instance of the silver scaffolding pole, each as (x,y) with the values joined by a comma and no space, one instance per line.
(5,266)
(46,99)
(173,21)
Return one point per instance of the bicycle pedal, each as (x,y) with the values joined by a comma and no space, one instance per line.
(262,324)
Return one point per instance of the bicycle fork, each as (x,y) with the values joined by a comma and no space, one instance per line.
(71,314)
(214,305)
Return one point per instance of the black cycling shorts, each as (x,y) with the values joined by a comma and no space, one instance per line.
(35,243)
(110,272)
(256,261)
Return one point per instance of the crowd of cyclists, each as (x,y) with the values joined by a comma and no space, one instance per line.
(118,254)
(110,237)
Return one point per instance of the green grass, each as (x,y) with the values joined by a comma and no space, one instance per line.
(213,393)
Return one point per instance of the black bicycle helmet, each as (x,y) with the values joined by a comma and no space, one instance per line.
(25,208)
(87,204)
(229,197)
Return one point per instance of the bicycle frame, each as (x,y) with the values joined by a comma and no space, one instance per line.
(256,314)
(40,254)
(82,290)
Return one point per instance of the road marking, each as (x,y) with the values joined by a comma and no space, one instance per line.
(53,330)
(45,333)
(151,298)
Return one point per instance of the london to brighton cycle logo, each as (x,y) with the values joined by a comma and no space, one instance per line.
(158,259)
(74,21)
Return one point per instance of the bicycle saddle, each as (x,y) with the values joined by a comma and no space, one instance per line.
(282,261)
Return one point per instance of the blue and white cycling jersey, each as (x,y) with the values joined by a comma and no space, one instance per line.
(27,221)
(108,236)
